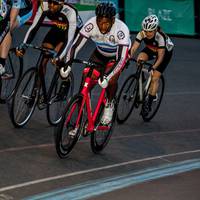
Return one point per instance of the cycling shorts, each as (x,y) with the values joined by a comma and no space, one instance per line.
(4,28)
(24,15)
(56,36)
(153,55)
(97,57)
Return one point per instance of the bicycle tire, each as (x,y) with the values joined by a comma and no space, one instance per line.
(63,141)
(24,99)
(14,66)
(97,145)
(127,98)
(57,100)
(155,104)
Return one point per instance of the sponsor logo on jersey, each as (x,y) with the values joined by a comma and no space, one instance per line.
(120,35)
(89,27)
(112,39)
(65,10)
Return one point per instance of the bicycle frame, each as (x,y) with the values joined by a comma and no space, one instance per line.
(40,70)
(145,89)
(91,117)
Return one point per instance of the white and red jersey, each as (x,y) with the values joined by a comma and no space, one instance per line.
(107,43)
(115,43)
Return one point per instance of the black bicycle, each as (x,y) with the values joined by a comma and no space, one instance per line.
(134,92)
(31,91)
(14,70)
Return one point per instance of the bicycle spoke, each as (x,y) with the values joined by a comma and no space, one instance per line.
(156,102)
(69,128)
(24,100)
(126,99)
(14,67)
(58,99)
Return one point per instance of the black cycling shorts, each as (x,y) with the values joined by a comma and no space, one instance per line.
(97,57)
(55,36)
(153,55)
(4,28)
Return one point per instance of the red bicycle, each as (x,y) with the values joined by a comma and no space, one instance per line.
(79,120)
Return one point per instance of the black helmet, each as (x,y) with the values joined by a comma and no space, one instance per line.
(105,10)
(56,1)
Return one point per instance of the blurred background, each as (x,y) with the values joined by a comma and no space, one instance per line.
(179,17)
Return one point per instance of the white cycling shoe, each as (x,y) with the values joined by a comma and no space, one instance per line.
(108,113)
(2,70)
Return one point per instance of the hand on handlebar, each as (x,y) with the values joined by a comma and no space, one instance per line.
(20,50)
(65,71)
(56,61)
(103,83)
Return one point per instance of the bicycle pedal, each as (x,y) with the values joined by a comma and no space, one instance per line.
(136,105)
(42,106)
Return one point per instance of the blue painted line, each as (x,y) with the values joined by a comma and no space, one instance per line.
(90,189)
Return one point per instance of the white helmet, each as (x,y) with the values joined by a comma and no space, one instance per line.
(150,23)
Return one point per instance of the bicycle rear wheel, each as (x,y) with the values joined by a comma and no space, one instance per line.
(68,130)
(24,99)
(60,93)
(156,102)
(127,98)
(14,68)
(101,136)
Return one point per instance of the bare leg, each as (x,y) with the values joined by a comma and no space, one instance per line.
(154,83)
(5,46)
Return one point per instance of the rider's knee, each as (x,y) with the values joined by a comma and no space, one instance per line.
(155,79)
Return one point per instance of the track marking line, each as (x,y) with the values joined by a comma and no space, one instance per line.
(25,184)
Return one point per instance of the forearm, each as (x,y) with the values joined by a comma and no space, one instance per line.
(66,46)
(77,45)
(134,48)
(121,61)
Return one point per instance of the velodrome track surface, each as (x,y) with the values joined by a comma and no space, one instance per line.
(137,153)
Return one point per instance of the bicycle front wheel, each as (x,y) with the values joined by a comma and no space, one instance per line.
(24,98)
(69,128)
(14,69)
(156,102)
(127,98)
(60,93)
(101,136)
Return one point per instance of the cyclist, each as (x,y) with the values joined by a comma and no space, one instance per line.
(65,23)
(112,40)
(20,12)
(158,47)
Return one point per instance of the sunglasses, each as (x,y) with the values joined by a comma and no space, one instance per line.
(53,2)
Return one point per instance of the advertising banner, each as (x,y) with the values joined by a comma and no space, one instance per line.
(176,16)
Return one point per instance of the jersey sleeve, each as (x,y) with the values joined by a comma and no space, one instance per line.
(88,28)
(72,19)
(139,37)
(123,36)
(161,41)
(39,17)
